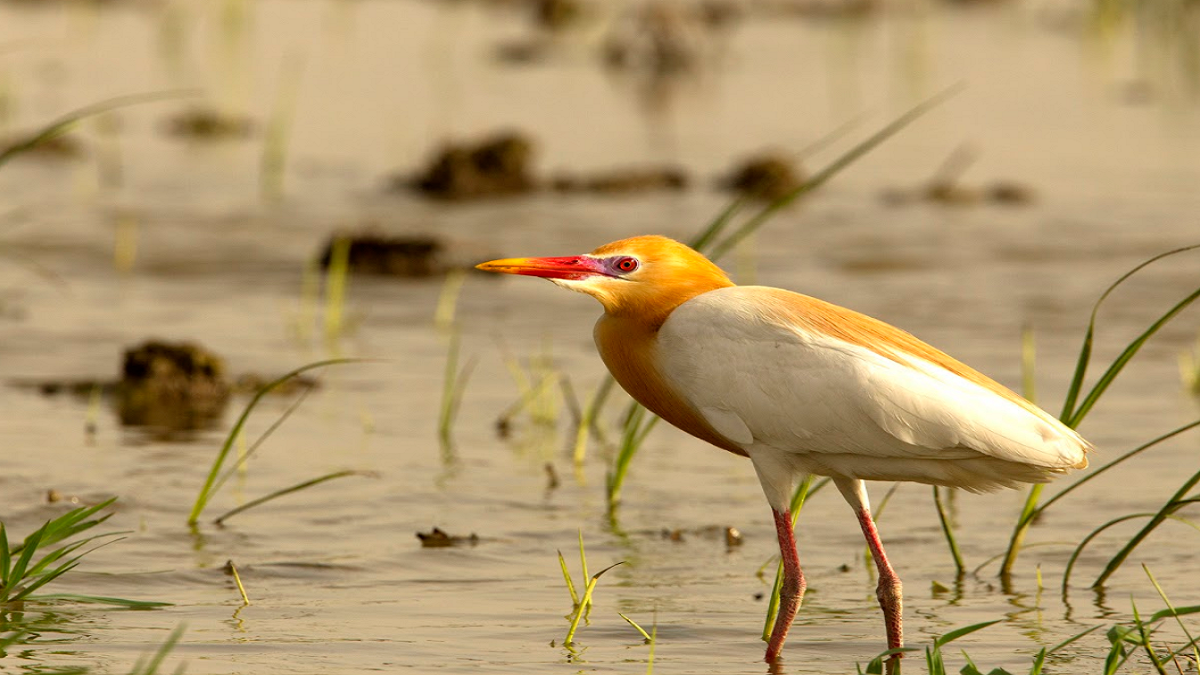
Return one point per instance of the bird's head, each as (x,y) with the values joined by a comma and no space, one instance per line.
(644,277)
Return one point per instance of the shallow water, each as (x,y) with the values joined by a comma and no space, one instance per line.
(337,579)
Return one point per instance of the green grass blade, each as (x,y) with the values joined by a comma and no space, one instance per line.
(1132,453)
(645,636)
(1119,363)
(5,561)
(635,432)
(824,175)
(562,562)
(1085,350)
(285,491)
(961,632)
(71,523)
(1172,611)
(1176,502)
(62,124)
(24,591)
(17,573)
(1088,539)
(706,237)
(207,490)
(150,666)
(244,457)
(102,600)
(959,567)
(585,602)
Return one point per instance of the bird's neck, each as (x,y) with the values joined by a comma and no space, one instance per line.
(648,306)
(628,345)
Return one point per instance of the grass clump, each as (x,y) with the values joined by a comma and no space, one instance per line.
(1075,409)
(581,603)
(28,566)
(219,473)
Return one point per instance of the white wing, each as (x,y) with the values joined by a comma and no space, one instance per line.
(759,380)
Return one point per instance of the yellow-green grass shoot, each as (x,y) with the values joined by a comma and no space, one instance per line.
(336,275)
(237,579)
(646,637)
(279,124)
(220,520)
(216,477)
(638,425)
(581,605)
(1189,368)
(454,383)
(447,304)
(21,575)
(1075,410)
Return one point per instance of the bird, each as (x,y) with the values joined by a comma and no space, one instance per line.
(803,387)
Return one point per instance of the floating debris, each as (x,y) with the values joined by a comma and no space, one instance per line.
(768,175)
(623,181)
(438,538)
(413,256)
(496,166)
(733,537)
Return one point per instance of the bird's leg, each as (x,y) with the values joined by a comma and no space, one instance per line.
(792,591)
(889,589)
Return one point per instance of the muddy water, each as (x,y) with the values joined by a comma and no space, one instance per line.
(1099,125)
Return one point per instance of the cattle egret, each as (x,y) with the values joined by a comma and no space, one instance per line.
(801,386)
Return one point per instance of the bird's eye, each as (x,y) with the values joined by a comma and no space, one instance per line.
(627,264)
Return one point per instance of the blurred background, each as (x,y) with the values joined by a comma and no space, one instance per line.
(199,196)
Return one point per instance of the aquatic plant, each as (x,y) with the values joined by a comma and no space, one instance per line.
(1075,410)
(21,575)
(218,474)
(454,384)
(581,603)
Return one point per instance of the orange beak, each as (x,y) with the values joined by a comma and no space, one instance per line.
(570,267)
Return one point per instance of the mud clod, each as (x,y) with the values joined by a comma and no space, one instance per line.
(624,181)
(413,256)
(765,176)
(497,166)
(209,124)
(177,385)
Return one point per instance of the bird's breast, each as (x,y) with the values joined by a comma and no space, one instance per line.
(630,351)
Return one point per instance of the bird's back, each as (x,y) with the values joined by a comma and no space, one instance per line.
(849,395)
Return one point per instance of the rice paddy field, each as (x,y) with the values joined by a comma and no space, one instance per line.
(215,148)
